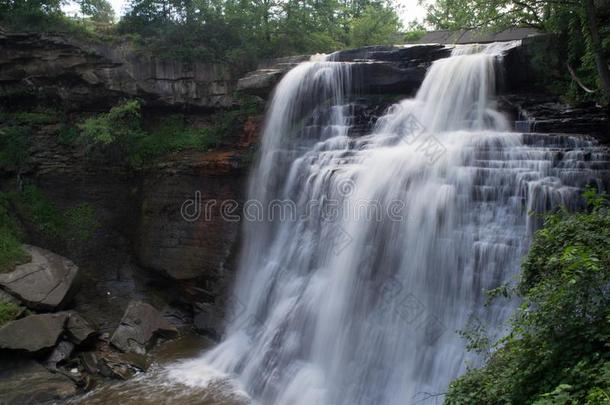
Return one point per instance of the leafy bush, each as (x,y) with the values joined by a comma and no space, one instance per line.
(67,134)
(11,252)
(113,135)
(119,135)
(558,351)
(171,135)
(8,312)
(377,25)
(74,224)
(116,126)
(41,211)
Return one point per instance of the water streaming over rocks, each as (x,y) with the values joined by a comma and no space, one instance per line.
(388,241)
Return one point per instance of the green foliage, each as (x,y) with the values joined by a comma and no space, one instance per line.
(567,19)
(115,126)
(39,117)
(98,10)
(376,25)
(242,32)
(67,134)
(14,143)
(119,135)
(173,134)
(11,252)
(77,223)
(15,136)
(41,211)
(80,222)
(113,135)
(414,32)
(558,351)
(237,32)
(8,312)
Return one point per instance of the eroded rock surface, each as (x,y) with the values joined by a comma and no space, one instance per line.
(84,74)
(138,328)
(79,330)
(45,283)
(34,333)
(375,70)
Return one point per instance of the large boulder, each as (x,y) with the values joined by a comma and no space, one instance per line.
(79,330)
(140,324)
(24,381)
(60,354)
(261,81)
(45,283)
(33,333)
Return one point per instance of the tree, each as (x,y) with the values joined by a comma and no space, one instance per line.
(557,350)
(575,20)
(98,10)
(31,6)
(377,25)
(596,44)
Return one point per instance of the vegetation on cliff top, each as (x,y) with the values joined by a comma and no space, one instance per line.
(122,135)
(237,32)
(582,27)
(558,349)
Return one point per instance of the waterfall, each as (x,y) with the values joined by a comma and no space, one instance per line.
(390,239)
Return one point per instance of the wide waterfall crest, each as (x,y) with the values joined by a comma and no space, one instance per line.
(363,309)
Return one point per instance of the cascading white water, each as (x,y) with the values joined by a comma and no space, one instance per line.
(355,299)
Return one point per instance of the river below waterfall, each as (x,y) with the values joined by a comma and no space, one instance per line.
(369,253)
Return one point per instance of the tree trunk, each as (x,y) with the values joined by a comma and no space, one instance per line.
(602,66)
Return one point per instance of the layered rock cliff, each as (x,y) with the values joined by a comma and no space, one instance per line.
(87,74)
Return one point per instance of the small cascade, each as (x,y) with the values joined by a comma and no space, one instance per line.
(393,238)
(525,124)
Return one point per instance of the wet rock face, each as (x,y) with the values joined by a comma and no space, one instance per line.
(93,74)
(376,69)
(139,326)
(547,114)
(182,233)
(45,283)
(414,55)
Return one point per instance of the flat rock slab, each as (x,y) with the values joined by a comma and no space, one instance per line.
(139,325)
(45,283)
(24,381)
(33,333)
